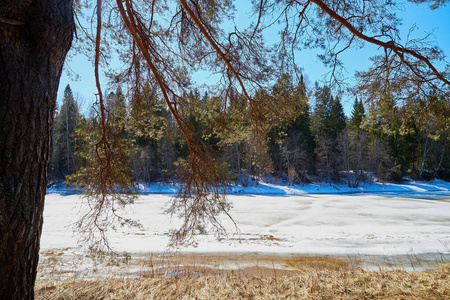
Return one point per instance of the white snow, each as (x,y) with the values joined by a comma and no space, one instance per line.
(385,219)
(380,219)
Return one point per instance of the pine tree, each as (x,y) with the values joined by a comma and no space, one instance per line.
(64,159)
(235,136)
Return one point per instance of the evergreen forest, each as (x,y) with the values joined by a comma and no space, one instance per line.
(305,138)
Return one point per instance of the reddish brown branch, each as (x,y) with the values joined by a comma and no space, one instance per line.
(386,45)
(215,46)
(97,82)
(144,50)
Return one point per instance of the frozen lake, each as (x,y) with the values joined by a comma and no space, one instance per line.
(341,224)
(402,229)
(399,229)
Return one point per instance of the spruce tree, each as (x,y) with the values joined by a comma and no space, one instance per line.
(329,123)
(354,147)
(358,114)
(337,120)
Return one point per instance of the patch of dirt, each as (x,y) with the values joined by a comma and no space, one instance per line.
(66,264)
(241,264)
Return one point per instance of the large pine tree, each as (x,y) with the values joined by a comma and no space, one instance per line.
(35,37)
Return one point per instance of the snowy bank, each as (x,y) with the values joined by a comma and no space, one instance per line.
(281,188)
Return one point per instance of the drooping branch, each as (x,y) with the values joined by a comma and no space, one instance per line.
(202,198)
(139,40)
(105,180)
(99,89)
(216,47)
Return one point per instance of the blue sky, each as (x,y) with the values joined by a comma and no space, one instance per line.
(436,21)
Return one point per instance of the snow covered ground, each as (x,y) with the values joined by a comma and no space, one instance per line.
(374,220)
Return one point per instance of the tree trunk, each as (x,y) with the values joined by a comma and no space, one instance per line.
(424,156)
(35,37)
(442,156)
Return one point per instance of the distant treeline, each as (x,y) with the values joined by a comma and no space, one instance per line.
(288,137)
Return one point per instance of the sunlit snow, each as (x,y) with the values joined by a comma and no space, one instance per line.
(387,219)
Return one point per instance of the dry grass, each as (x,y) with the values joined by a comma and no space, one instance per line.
(307,282)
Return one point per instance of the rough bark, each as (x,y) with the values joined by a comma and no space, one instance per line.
(32,52)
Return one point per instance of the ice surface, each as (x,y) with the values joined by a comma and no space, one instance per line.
(376,219)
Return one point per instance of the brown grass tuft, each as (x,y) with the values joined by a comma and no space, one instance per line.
(307,283)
